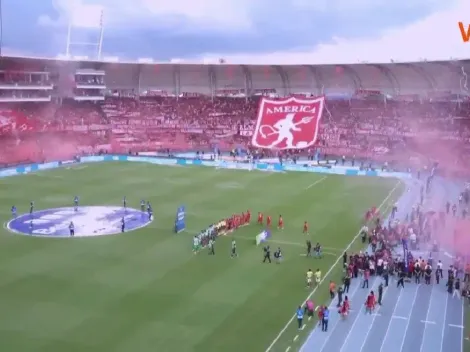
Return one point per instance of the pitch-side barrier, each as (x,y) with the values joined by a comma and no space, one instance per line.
(276,167)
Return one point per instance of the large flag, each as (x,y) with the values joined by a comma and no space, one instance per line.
(262,237)
(288,123)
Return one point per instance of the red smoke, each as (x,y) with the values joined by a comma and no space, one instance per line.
(461,238)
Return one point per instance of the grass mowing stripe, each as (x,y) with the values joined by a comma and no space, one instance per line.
(329,271)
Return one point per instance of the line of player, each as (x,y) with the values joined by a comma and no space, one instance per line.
(280,223)
(206,238)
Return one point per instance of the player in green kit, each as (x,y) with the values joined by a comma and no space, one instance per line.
(211,247)
(196,244)
(234,249)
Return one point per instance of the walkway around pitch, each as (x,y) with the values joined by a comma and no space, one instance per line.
(416,318)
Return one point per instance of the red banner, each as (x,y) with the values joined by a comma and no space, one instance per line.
(11,122)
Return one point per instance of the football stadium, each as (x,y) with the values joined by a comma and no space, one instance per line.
(214,207)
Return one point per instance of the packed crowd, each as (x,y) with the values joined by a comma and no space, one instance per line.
(44,131)
(386,257)
(383,131)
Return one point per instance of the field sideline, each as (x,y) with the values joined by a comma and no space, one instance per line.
(330,270)
(145,290)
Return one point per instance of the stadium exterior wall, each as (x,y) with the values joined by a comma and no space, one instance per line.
(20,170)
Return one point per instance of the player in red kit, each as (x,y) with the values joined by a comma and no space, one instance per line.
(305,228)
(370,302)
(374,210)
(243,219)
(280,223)
(260,218)
(268,221)
(248,216)
(235,221)
(344,309)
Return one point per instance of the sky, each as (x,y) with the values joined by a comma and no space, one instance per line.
(239,31)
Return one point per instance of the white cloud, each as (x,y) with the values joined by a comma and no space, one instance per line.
(45,20)
(221,15)
(74,12)
(348,6)
(435,37)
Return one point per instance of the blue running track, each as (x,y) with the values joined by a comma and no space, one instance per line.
(418,318)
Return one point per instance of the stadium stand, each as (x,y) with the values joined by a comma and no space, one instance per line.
(395,113)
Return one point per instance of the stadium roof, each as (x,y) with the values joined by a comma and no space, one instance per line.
(403,78)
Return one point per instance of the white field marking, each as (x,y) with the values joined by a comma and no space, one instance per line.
(309,318)
(428,322)
(45,176)
(444,324)
(409,318)
(356,319)
(351,310)
(448,255)
(399,317)
(325,253)
(316,182)
(427,318)
(269,172)
(229,185)
(338,260)
(303,327)
(335,324)
(296,337)
(80,167)
(462,325)
(287,243)
(288,349)
(456,326)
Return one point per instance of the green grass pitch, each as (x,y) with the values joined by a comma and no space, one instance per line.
(145,290)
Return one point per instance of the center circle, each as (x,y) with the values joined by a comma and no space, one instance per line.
(89,221)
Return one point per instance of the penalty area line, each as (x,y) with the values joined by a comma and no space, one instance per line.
(323,253)
(356,237)
(316,182)
(46,176)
